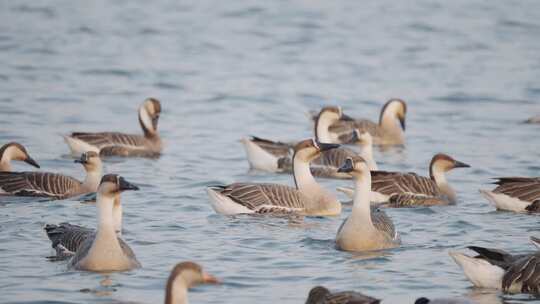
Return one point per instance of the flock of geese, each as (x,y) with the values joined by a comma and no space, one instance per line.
(367,228)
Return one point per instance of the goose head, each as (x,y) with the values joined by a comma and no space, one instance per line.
(394,109)
(317,295)
(113,184)
(14,151)
(442,163)
(355,166)
(185,275)
(91,161)
(309,149)
(149,113)
(327,116)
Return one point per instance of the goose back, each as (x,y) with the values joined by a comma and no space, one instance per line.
(523,188)
(40,184)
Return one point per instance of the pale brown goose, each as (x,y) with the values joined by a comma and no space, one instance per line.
(53,185)
(308,198)
(104,250)
(121,144)
(495,268)
(321,295)
(184,276)
(14,151)
(518,194)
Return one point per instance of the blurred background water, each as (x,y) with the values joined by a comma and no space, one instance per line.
(469,71)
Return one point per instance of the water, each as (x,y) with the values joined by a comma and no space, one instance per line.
(468,69)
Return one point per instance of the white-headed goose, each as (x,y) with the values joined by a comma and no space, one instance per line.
(184,276)
(321,295)
(104,250)
(14,151)
(308,198)
(273,156)
(390,130)
(366,228)
(120,144)
(518,194)
(53,185)
(497,269)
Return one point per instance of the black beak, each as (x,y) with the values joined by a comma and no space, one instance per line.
(125,185)
(31,161)
(83,160)
(458,164)
(155,120)
(326,147)
(354,136)
(402,122)
(347,166)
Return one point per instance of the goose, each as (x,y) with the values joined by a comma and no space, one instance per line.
(53,185)
(308,198)
(274,156)
(497,269)
(389,131)
(104,250)
(321,295)
(424,300)
(185,275)
(120,144)
(409,189)
(14,151)
(366,228)
(518,194)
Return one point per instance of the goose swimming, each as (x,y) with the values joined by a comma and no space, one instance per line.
(120,144)
(104,250)
(497,269)
(366,228)
(321,295)
(518,194)
(308,198)
(14,151)
(184,276)
(389,131)
(273,156)
(53,185)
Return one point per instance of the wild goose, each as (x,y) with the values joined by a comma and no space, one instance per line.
(53,185)
(366,228)
(273,156)
(14,151)
(518,194)
(409,189)
(389,131)
(495,268)
(185,275)
(120,144)
(308,198)
(104,250)
(321,295)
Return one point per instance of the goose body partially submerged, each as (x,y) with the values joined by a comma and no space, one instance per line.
(518,194)
(321,295)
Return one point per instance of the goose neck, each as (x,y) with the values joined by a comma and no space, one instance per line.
(361,200)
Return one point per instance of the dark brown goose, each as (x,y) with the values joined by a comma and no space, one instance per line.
(53,185)
(120,144)
(321,295)
(14,151)
(518,194)
(184,276)
(495,268)
(308,198)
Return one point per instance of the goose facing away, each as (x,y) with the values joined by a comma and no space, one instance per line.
(185,275)
(53,185)
(321,295)
(308,198)
(518,194)
(14,151)
(104,250)
(364,229)
(497,269)
(120,144)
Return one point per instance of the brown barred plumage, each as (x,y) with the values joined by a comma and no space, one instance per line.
(321,295)
(390,183)
(68,235)
(40,184)
(523,188)
(414,200)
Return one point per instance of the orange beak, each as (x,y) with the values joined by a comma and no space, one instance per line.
(210,279)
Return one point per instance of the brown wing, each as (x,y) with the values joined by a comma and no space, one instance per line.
(256,196)
(334,157)
(390,183)
(103,139)
(525,271)
(349,297)
(41,184)
(127,151)
(347,126)
(276,148)
(523,188)
(415,200)
(68,235)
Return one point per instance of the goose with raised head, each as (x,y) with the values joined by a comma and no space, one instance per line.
(274,156)
(53,185)
(121,144)
(104,250)
(366,228)
(184,276)
(307,198)
(14,151)
(518,194)
(498,269)
(321,295)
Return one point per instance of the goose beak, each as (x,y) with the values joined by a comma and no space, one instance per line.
(458,164)
(326,147)
(125,185)
(155,121)
(402,122)
(354,136)
(347,167)
(31,161)
(210,279)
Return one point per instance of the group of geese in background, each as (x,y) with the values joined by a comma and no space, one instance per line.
(367,228)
